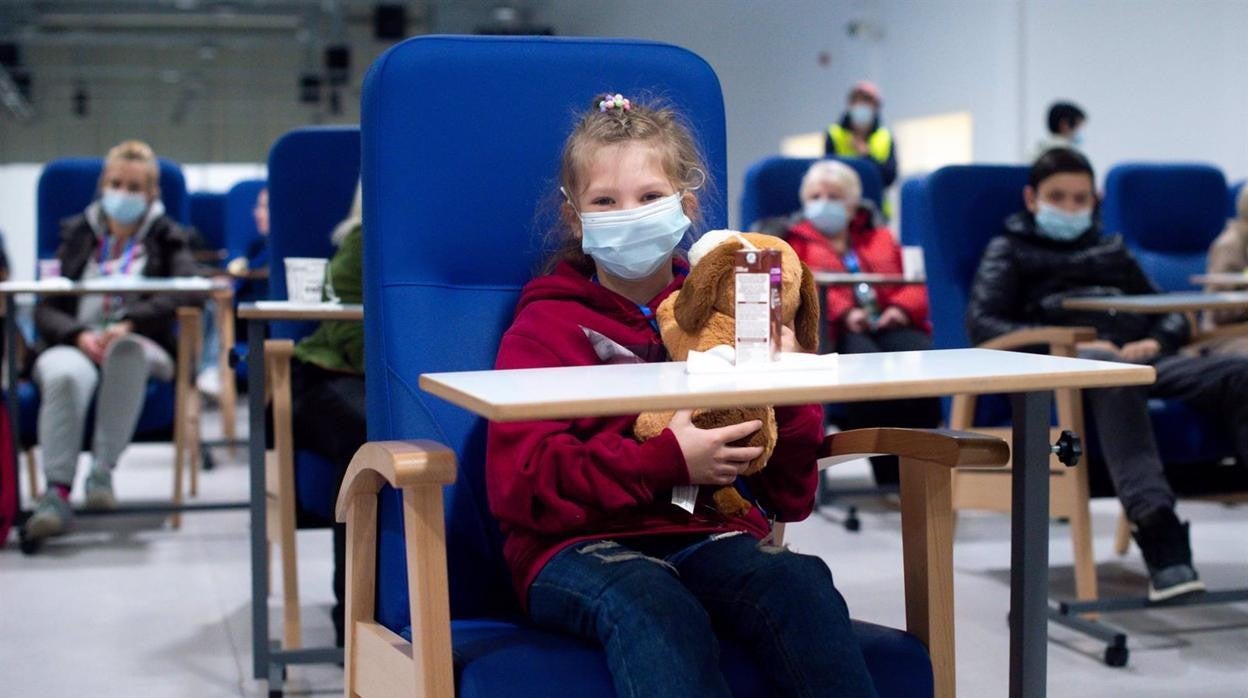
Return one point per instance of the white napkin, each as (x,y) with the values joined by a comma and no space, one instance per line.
(723,359)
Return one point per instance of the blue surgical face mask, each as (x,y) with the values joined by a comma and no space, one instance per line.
(123,206)
(861,115)
(827,215)
(636,242)
(1076,138)
(1056,224)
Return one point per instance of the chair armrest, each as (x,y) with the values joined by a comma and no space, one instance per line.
(1051,336)
(927,458)
(937,446)
(398,464)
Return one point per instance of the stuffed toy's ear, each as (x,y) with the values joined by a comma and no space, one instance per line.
(808,313)
(706,284)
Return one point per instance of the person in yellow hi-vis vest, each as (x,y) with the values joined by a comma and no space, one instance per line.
(860,133)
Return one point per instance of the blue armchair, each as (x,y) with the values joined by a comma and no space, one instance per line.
(313,174)
(206,212)
(451,183)
(960,209)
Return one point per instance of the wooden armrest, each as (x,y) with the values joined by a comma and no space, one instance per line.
(1051,336)
(1238,329)
(398,464)
(939,446)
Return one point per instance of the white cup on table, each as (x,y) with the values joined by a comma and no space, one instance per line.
(912,262)
(305,279)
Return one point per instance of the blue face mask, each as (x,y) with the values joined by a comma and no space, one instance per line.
(123,206)
(1056,224)
(829,216)
(636,242)
(861,115)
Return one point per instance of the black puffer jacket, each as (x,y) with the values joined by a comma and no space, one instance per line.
(1023,278)
(168,251)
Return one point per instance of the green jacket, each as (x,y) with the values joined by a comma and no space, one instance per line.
(339,345)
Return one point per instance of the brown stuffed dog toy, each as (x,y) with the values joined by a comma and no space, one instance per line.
(701,316)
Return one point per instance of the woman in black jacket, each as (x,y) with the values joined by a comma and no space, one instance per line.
(1055,250)
(103,346)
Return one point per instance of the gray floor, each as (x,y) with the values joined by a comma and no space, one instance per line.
(128,607)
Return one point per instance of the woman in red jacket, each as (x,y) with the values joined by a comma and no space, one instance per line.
(597,544)
(838,233)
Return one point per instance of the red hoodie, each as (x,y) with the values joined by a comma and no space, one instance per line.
(878,253)
(556,482)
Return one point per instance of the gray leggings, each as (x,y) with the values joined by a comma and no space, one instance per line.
(67,380)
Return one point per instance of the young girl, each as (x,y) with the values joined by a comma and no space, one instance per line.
(596,546)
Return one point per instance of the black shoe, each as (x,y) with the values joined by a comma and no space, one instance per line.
(1164,541)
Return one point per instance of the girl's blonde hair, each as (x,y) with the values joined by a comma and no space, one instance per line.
(135,151)
(651,122)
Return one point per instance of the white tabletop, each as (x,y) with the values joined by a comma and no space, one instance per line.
(1184,302)
(584,391)
(286,310)
(115,285)
(828,278)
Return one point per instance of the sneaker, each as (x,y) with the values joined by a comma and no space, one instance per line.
(100,490)
(1164,541)
(51,518)
(209,382)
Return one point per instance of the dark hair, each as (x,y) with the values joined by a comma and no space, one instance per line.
(1058,161)
(1064,112)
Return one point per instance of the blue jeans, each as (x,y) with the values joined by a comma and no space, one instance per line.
(657,604)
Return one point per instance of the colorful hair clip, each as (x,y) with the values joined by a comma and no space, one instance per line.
(615,102)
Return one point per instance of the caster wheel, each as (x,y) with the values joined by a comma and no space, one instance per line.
(853,524)
(1116,656)
(207,460)
(28,545)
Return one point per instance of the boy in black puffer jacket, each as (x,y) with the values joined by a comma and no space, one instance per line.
(1055,250)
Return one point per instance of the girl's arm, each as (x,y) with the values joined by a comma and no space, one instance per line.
(786,487)
(557,476)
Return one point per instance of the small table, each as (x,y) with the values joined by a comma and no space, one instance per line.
(829,278)
(1221,280)
(583,391)
(268,662)
(126,286)
(1159,303)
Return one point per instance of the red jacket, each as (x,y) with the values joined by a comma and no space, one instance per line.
(554,483)
(877,252)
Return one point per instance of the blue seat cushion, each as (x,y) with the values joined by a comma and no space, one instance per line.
(495,658)
(155,420)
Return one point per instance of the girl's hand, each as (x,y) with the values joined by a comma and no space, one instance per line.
(92,344)
(1140,351)
(893,317)
(709,458)
(857,321)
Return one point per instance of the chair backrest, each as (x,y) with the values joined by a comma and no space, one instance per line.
(206,212)
(240,222)
(966,206)
(1232,198)
(1168,214)
(313,173)
(916,218)
(772,186)
(461,146)
(68,185)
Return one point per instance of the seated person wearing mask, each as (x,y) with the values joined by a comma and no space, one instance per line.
(1055,250)
(105,347)
(838,232)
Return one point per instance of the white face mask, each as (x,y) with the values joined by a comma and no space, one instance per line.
(634,243)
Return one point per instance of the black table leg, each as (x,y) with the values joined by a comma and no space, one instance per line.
(1029,545)
(259,553)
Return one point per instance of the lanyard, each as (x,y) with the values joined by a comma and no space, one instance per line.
(127,255)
